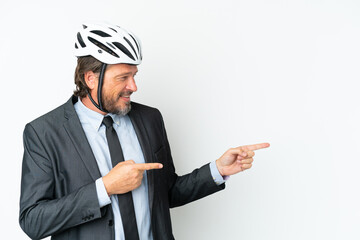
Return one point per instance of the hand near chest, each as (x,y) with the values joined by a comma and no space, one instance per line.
(127,176)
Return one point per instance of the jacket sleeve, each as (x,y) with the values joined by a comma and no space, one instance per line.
(41,214)
(190,187)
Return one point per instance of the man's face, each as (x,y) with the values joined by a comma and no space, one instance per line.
(119,84)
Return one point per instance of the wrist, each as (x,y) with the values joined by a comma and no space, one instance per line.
(218,166)
(107,185)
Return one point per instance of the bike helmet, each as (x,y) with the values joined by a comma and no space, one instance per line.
(110,44)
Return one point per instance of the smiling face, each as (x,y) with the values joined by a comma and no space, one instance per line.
(118,85)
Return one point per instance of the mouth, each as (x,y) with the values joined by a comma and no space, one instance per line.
(125,96)
(126,99)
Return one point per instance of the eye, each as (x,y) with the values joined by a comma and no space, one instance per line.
(121,79)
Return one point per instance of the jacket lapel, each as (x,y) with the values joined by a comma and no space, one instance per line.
(77,135)
(143,138)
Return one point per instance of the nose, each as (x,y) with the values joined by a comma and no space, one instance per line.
(132,85)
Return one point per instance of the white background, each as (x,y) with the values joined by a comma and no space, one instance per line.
(223,73)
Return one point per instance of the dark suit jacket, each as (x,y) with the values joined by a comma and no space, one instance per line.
(58,194)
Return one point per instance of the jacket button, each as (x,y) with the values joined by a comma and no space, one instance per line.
(111,222)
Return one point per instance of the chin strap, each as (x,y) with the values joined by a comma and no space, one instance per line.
(99,94)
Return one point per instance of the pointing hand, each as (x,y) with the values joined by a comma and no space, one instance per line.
(238,159)
(126,176)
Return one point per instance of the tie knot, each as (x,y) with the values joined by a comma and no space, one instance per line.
(108,121)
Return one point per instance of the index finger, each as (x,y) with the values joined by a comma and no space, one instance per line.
(255,146)
(148,166)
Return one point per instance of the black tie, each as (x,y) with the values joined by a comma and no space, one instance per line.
(125,200)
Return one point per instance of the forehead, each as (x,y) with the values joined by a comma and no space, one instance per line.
(121,69)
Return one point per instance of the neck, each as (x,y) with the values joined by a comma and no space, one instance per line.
(87,102)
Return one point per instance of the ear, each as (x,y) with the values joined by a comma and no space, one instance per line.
(91,79)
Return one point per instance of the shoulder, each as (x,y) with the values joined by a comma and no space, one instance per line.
(145,110)
(151,117)
(50,120)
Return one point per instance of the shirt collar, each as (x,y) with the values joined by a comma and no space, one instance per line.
(116,118)
(94,118)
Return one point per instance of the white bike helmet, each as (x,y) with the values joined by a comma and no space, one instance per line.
(108,43)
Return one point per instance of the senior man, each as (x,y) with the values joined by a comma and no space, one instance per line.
(100,166)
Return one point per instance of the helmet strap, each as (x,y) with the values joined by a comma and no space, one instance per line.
(99,91)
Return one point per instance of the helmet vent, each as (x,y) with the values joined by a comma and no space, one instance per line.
(124,50)
(112,46)
(76,46)
(127,40)
(113,29)
(103,47)
(137,46)
(84,26)
(81,41)
(100,33)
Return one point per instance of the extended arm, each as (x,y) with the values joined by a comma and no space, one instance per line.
(199,183)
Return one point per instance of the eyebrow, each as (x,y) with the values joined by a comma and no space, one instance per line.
(127,73)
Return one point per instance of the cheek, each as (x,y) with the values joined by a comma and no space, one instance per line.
(119,89)
(111,90)
(114,90)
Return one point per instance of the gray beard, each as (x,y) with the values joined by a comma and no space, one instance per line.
(110,107)
(122,112)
